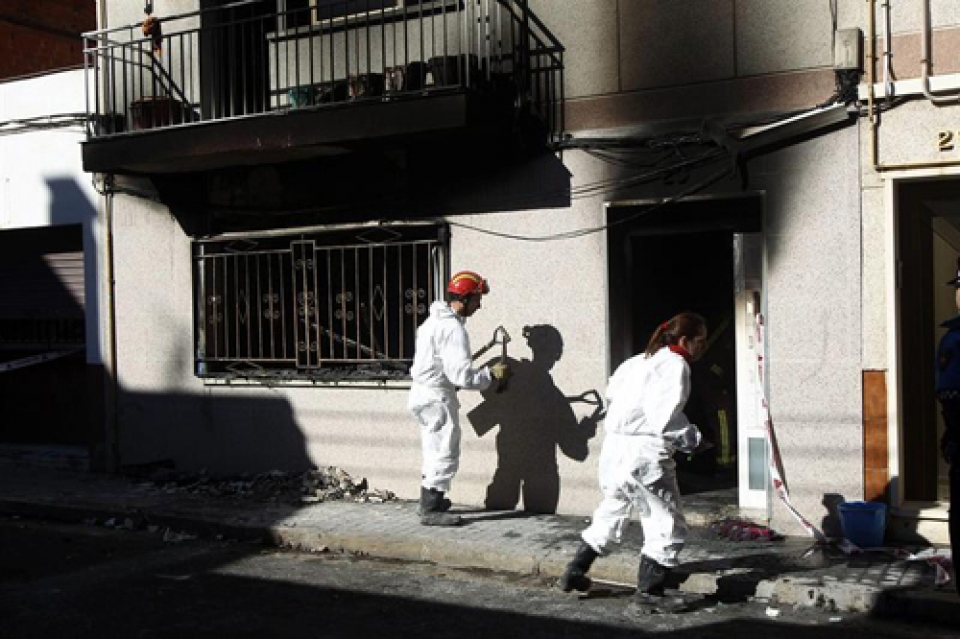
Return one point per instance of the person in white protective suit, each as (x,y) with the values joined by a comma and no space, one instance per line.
(645,425)
(442,366)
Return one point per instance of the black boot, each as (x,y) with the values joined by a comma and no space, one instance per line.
(433,507)
(650,596)
(651,577)
(441,507)
(575,576)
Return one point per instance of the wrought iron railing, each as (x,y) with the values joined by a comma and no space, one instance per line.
(330,305)
(248,58)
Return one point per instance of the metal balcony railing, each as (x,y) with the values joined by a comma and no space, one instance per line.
(249,58)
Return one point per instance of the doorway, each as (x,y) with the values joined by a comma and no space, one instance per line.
(928,245)
(235,57)
(43,371)
(701,255)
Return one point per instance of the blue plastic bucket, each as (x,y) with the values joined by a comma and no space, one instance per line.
(863,522)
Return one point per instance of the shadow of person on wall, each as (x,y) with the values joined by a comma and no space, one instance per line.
(830,523)
(535,418)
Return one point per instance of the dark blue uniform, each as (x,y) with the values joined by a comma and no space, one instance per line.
(948,392)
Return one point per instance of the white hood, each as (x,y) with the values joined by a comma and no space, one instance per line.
(442,358)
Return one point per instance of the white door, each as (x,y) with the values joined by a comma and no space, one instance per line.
(752,475)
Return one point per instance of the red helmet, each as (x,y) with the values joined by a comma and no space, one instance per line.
(467,283)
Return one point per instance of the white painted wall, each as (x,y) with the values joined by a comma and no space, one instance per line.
(42,182)
(166,412)
(814,292)
(812,230)
(828,256)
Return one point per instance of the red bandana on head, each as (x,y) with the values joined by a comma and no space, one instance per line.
(681,351)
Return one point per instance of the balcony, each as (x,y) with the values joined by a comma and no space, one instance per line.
(245,84)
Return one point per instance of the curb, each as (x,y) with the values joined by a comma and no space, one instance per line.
(828,595)
(940,606)
(140,518)
(733,584)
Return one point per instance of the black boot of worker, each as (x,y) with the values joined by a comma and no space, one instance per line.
(441,507)
(575,576)
(433,507)
(651,576)
(650,596)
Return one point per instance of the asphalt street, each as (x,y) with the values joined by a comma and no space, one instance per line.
(59,580)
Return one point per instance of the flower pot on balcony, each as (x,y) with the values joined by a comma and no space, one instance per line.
(417,77)
(299,97)
(151,112)
(449,70)
(337,91)
(366,85)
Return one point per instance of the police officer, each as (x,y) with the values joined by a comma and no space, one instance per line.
(441,366)
(948,392)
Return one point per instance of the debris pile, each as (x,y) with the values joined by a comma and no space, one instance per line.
(313,486)
(332,483)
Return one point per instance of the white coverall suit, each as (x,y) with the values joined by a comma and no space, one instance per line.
(441,366)
(645,425)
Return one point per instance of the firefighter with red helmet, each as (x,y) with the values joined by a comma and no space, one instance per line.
(441,366)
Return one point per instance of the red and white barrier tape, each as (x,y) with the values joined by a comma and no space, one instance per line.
(774,460)
(940,563)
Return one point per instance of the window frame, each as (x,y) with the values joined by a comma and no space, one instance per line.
(328,304)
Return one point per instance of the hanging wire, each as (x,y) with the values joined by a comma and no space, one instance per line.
(42,122)
(712,179)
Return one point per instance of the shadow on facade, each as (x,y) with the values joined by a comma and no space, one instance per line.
(205,431)
(69,204)
(535,419)
(361,187)
(46,311)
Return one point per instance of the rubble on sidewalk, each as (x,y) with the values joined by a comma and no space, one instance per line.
(312,486)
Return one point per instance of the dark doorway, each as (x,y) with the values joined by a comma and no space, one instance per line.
(928,244)
(43,371)
(235,58)
(666,284)
(678,258)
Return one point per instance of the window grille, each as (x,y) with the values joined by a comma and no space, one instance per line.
(331,305)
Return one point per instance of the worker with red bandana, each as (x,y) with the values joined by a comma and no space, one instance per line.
(645,425)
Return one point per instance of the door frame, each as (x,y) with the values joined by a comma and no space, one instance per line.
(935,512)
(615,320)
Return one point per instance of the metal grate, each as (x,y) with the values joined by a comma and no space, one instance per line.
(328,305)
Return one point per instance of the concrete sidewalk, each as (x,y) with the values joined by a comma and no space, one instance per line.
(782,572)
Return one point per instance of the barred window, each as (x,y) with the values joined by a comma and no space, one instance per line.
(324,306)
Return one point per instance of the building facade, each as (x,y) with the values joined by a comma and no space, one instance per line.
(291,183)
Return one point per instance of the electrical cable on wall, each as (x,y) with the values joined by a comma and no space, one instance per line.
(647,158)
(587,190)
(716,177)
(43,123)
(110,188)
